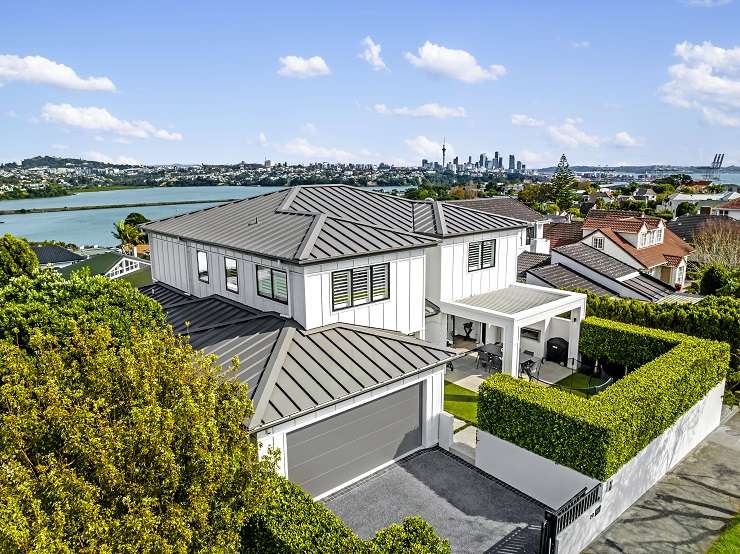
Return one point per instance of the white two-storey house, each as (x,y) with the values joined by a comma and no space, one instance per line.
(341,305)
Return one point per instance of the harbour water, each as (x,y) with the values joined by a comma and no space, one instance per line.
(94,227)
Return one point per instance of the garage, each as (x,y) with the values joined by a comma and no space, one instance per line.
(327,454)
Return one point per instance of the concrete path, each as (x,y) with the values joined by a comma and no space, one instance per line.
(687,509)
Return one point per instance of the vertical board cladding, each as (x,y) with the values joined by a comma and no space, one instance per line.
(455,281)
(169,262)
(403,311)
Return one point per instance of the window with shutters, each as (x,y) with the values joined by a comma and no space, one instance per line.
(481,255)
(361,285)
(272,283)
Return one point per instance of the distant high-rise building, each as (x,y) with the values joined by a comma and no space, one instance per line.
(444,151)
(512,163)
(524,166)
(268,163)
(424,163)
(470,159)
(519,166)
(455,161)
(482,160)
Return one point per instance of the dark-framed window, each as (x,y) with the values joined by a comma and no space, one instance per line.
(272,283)
(202,266)
(530,234)
(529,333)
(360,285)
(231,274)
(481,255)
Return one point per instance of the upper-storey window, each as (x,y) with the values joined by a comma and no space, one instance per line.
(481,254)
(659,236)
(361,285)
(598,243)
(272,284)
(202,266)
(231,275)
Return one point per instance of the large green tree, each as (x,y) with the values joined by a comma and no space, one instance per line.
(115,436)
(561,188)
(16,258)
(127,235)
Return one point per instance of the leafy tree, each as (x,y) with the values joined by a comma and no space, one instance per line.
(115,436)
(562,185)
(714,278)
(135,218)
(16,258)
(128,236)
(686,208)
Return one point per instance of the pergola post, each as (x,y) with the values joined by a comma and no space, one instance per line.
(574,335)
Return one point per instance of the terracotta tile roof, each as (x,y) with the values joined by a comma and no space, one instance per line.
(624,221)
(652,256)
(563,233)
(733,204)
(673,261)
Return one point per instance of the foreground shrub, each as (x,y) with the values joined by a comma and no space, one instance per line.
(291,522)
(16,258)
(597,436)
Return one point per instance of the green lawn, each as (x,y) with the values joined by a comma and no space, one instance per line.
(729,541)
(461,402)
(578,381)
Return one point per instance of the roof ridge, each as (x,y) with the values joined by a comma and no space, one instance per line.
(382,227)
(274,364)
(309,239)
(439,215)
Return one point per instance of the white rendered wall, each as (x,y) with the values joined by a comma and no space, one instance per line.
(449,261)
(612,249)
(638,475)
(538,477)
(403,311)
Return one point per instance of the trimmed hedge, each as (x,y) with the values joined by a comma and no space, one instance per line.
(597,436)
(291,522)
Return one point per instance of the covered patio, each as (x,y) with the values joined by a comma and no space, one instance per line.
(516,328)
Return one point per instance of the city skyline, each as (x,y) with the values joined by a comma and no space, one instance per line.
(387,84)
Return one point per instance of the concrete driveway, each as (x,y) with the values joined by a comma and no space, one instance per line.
(476,513)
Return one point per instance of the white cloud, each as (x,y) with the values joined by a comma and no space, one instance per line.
(95,156)
(569,134)
(455,64)
(535,158)
(427,148)
(706,80)
(262,139)
(11,113)
(523,120)
(121,140)
(302,68)
(303,148)
(425,110)
(310,129)
(37,69)
(100,119)
(624,140)
(371,54)
(707,3)
(580,44)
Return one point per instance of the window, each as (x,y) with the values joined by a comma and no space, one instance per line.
(531,233)
(361,285)
(272,284)
(231,275)
(202,266)
(659,240)
(481,255)
(598,243)
(532,334)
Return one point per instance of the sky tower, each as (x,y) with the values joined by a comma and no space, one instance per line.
(444,151)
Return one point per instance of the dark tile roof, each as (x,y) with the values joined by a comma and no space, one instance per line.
(503,205)
(290,371)
(529,260)
(560,234)
(595,259)
(649,287)
(561,277)
(687,226)
(309,224)
(55,255)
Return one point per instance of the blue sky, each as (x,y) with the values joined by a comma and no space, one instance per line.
(220,82)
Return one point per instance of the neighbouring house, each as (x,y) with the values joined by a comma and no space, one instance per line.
(342,304)
(706,203)
(563,233)
(55,256)
(532,239)
(731,208)
(645,194)
(687,227)
(113,265)
(579,266)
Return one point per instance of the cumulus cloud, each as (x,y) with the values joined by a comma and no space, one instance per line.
(303,68)
(304,149)
(707,79)
(427,148)
(100,119)
(37,69)
(95,156)
(624,140)
(262,139)
(707,3)
(371,54)
(534,158)
(454,64)
(432,109)
(523,120)
(570,134)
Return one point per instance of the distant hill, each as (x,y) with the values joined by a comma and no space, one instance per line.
(52,161)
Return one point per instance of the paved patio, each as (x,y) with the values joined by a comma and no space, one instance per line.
(476,513)
(467,375)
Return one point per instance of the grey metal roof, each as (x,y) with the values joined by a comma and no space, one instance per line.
(529,260)
(53,254)
(290,371)
(164,294)
(512,299)
(681,298)
(649,287)
(309,224)
(560,277)
(503,205)
(595,259)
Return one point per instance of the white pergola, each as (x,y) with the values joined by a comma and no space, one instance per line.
(506,311)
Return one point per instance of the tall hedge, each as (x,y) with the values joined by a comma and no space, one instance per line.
(292,523)
(597,436)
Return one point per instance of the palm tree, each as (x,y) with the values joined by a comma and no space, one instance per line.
(127,235)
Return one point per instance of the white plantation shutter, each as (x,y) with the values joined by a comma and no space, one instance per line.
(380,285)
(280,285)
(473,256)
(487,253)
(360,286)
(340,290)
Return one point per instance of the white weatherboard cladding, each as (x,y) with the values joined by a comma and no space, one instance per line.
(169,262)
(403,311)
(450,263)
